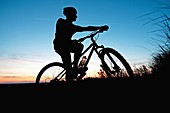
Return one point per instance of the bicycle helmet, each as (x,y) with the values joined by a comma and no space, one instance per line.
(69,11)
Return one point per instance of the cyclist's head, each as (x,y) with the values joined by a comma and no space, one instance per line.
(68,11)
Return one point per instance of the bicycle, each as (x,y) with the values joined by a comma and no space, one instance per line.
(112,62)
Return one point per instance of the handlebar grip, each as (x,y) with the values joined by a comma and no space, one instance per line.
(81,39)
(105,28)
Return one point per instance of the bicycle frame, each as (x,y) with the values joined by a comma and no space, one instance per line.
(112,62)
(94,47)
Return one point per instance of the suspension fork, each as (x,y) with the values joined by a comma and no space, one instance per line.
(105,66)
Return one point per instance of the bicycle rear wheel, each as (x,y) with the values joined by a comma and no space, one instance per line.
(114,64)
(52,71)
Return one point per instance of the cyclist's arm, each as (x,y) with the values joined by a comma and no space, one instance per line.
(91,28)
(88,28)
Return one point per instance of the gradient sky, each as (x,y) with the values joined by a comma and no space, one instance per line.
(27,30)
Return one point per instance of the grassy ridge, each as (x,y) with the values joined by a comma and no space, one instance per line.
(116,94)
(92,85)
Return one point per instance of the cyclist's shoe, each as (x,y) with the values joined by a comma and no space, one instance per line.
(82,72)
(85,68)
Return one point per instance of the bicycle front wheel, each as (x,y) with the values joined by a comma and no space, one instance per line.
(52,71)
(114,64)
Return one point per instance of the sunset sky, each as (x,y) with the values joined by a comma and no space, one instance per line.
(27,30)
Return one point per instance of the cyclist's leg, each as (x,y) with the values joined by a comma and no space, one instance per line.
(66,59)
(82,72)
(77,49)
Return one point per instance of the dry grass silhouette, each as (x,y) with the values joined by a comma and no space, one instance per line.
(160,63)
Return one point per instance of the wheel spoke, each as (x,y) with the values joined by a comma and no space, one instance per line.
(52,71)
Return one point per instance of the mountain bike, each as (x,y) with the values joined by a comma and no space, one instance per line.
(112,63)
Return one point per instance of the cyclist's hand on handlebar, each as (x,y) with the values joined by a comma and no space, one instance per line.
(104,28)
(81,39)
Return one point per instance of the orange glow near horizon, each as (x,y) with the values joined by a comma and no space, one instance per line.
(31,79)
(16,79)
(29,73)
(25,71)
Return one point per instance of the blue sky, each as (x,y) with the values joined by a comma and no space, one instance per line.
(27,30)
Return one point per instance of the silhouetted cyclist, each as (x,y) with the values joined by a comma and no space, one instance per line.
(64,45)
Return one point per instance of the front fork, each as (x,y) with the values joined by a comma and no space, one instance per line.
(110,70)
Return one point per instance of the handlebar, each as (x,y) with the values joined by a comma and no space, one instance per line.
(105,28)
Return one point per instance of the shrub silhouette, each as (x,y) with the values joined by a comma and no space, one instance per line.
(160,59)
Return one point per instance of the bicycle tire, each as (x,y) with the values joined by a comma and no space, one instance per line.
(125,69)
(51,71)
